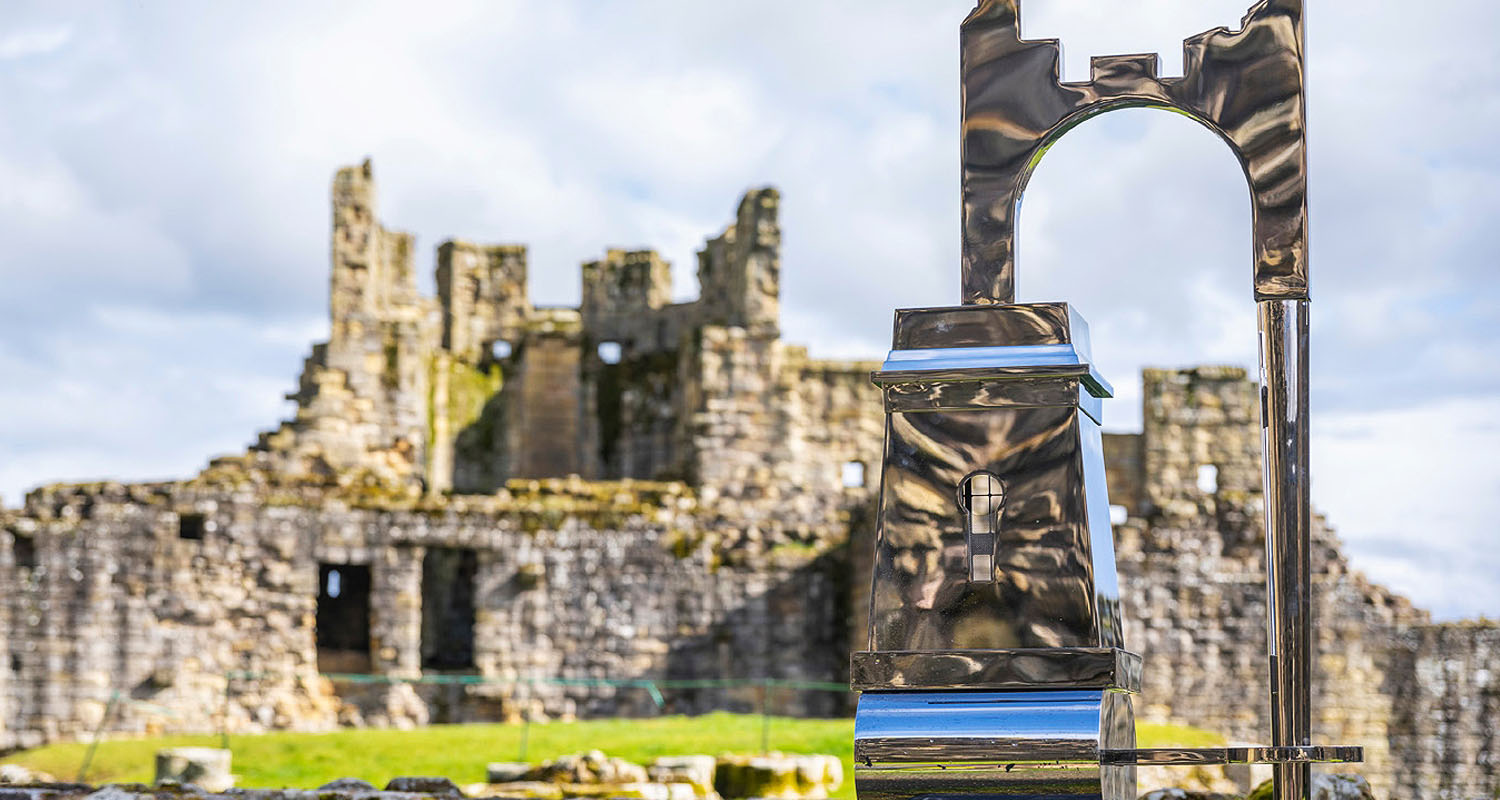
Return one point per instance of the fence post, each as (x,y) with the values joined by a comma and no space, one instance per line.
(224,714)
(88,757)
(765,716)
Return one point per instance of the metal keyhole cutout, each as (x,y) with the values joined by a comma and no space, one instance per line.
(981,496)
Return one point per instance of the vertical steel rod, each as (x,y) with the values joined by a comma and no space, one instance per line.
(1284,408)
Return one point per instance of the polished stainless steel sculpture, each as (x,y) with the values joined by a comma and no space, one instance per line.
(996,662)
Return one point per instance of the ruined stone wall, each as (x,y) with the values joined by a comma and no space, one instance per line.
(12,540)
(739,271)
(1192,566)
(163,595)
(1445,684)
(362,399)
(465,391)
(483,293)
(119,613)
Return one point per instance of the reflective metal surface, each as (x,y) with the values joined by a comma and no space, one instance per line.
(1245,86)
(936,392)
(971,326)
(1198,756)
(1022,359)
(1015,744)
(1284,407)
(994,564)
(1004,411)
(1039,668)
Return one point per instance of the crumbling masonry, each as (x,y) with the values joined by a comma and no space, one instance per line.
(632,489)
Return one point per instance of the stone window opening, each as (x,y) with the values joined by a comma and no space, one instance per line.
(191,527)
(981,495)
(501,349)
(24,550)
(1208,479)
(611,352)
(448,583)
(854,475)
(343,618)
(1118,514)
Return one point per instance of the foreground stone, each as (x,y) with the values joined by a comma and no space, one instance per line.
(15,773)
(691,777)
(780,773)
(424,785)
(1197,781)
(596,775)
(1326,787)
(506,771)
(778,776)
(206,767)
(588,768)
(695,771)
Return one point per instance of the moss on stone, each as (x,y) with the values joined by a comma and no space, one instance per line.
(469,388)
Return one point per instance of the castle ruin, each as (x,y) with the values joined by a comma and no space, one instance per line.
(555,500)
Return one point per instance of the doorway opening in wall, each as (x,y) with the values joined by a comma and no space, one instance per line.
(343,620)
(24,549)
(448,575)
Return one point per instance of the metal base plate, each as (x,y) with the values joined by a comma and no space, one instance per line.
(1252,754)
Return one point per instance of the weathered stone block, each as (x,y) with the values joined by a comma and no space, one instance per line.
(420,784)
(208,767)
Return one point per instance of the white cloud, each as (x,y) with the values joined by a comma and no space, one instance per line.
(1415,494)
(34,42)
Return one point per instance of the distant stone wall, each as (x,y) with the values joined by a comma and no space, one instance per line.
(116,607)
(159,594)
(1445,684)
(1419,698)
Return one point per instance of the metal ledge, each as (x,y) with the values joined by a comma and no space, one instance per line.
(1021,669)
(1252,754)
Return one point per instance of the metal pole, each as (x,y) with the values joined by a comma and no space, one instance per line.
(525,719)
(765,716)
(1284,409)
(525,732)
(224,714)
(88,757)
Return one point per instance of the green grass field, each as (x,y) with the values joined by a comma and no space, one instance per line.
(307,760)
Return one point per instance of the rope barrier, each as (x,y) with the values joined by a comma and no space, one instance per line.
(654,688)
(653,685)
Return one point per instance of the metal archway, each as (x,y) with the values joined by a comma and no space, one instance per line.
(1248,86)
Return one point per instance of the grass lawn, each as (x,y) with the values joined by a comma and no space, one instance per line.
(307,760)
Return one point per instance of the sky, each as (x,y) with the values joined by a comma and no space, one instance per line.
(165,169)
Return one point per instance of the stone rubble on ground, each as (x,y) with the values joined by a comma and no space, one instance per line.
(691,777)
(1202,780)
(1326,787)
(424,785)
(694,771)
(15,773)
(773,776)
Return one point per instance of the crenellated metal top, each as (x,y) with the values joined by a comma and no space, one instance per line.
(1246,86)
